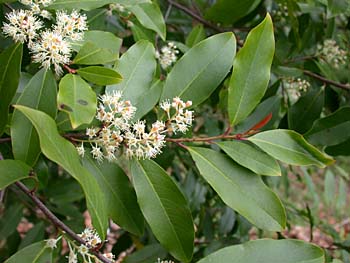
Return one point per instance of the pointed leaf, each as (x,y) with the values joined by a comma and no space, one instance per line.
(196,35)
(59,150)
(40,93)
(120,198)
(150,17)
(251,157)
(12,171)
(240,189)
(268,250)
(201,69)
(100,75)
(164,207)
(35,253)
(91,54)
(137,66)
(251,71)
(77,98)
(331,130)
(290,147)
(306,110)
(10,71)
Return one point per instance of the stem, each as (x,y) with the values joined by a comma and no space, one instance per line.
(327,81)
(70,70)
(206,139)
(3,140)
(56,222)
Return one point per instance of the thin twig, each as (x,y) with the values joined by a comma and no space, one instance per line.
(206,139)
(327,81)
(3,140)
(58,223)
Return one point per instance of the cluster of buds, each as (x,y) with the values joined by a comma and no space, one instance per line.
(294,87)
(49,46)
(167,55)
(332,53)
(281,13)
(117,129)
(119,8)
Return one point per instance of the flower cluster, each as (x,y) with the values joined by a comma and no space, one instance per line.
(50,46)
(118,129)
(167,55)
(332,53)
(294,87)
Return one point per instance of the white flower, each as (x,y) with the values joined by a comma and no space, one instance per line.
(332,53)
(167,55)
(52,242)
(52,49)
(83,250)
(97,153)
(81,150)
(71,26)
(91,237)
(72,258)
(22,26)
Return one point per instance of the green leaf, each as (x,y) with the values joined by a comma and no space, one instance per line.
(164,207)
(230,11)
(196,35)
(137,66)
(35,253)
(12,171)
(251,157)
(102,39)
(201,69)
(148,100)
(10,219)
(35,234)
(308,108)
(100,75)
(147,254)
(120,197)
(329,188)
(251,71)
(150,16)
(290,147)
(77,98)
(62,152)
(240,189)
(90,4)
(91,54)
(268,250)
(10,71)
(40,93)
(339,149)
(270,105)
(331,130)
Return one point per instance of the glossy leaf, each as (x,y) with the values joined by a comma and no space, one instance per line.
(196,35)
(230,11)
(78,99)
(329,188)
(91,54)
(137,66)
(35,253)
(10,71)
(164,207)
(147,254)
(306,110)
(251,157)
(290,147)
(201,69)
(150,17)
(102,39)
(268,250)
(332,129)
(149,99)
(339,149)
(251,71)
(12,171)
(100,75)
(59,150)
(90,4)
(40,93)
(240,189)
(10,219)
(120,197)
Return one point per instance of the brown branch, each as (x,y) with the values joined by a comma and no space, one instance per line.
(58,223)
(3,140)
(327,81)
(195,16)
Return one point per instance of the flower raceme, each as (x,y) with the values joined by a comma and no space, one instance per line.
(48,46)
(117,129)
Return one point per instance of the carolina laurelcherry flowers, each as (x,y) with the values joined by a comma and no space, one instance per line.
(50,46)
(332,53)
(117,129)
(167,55)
